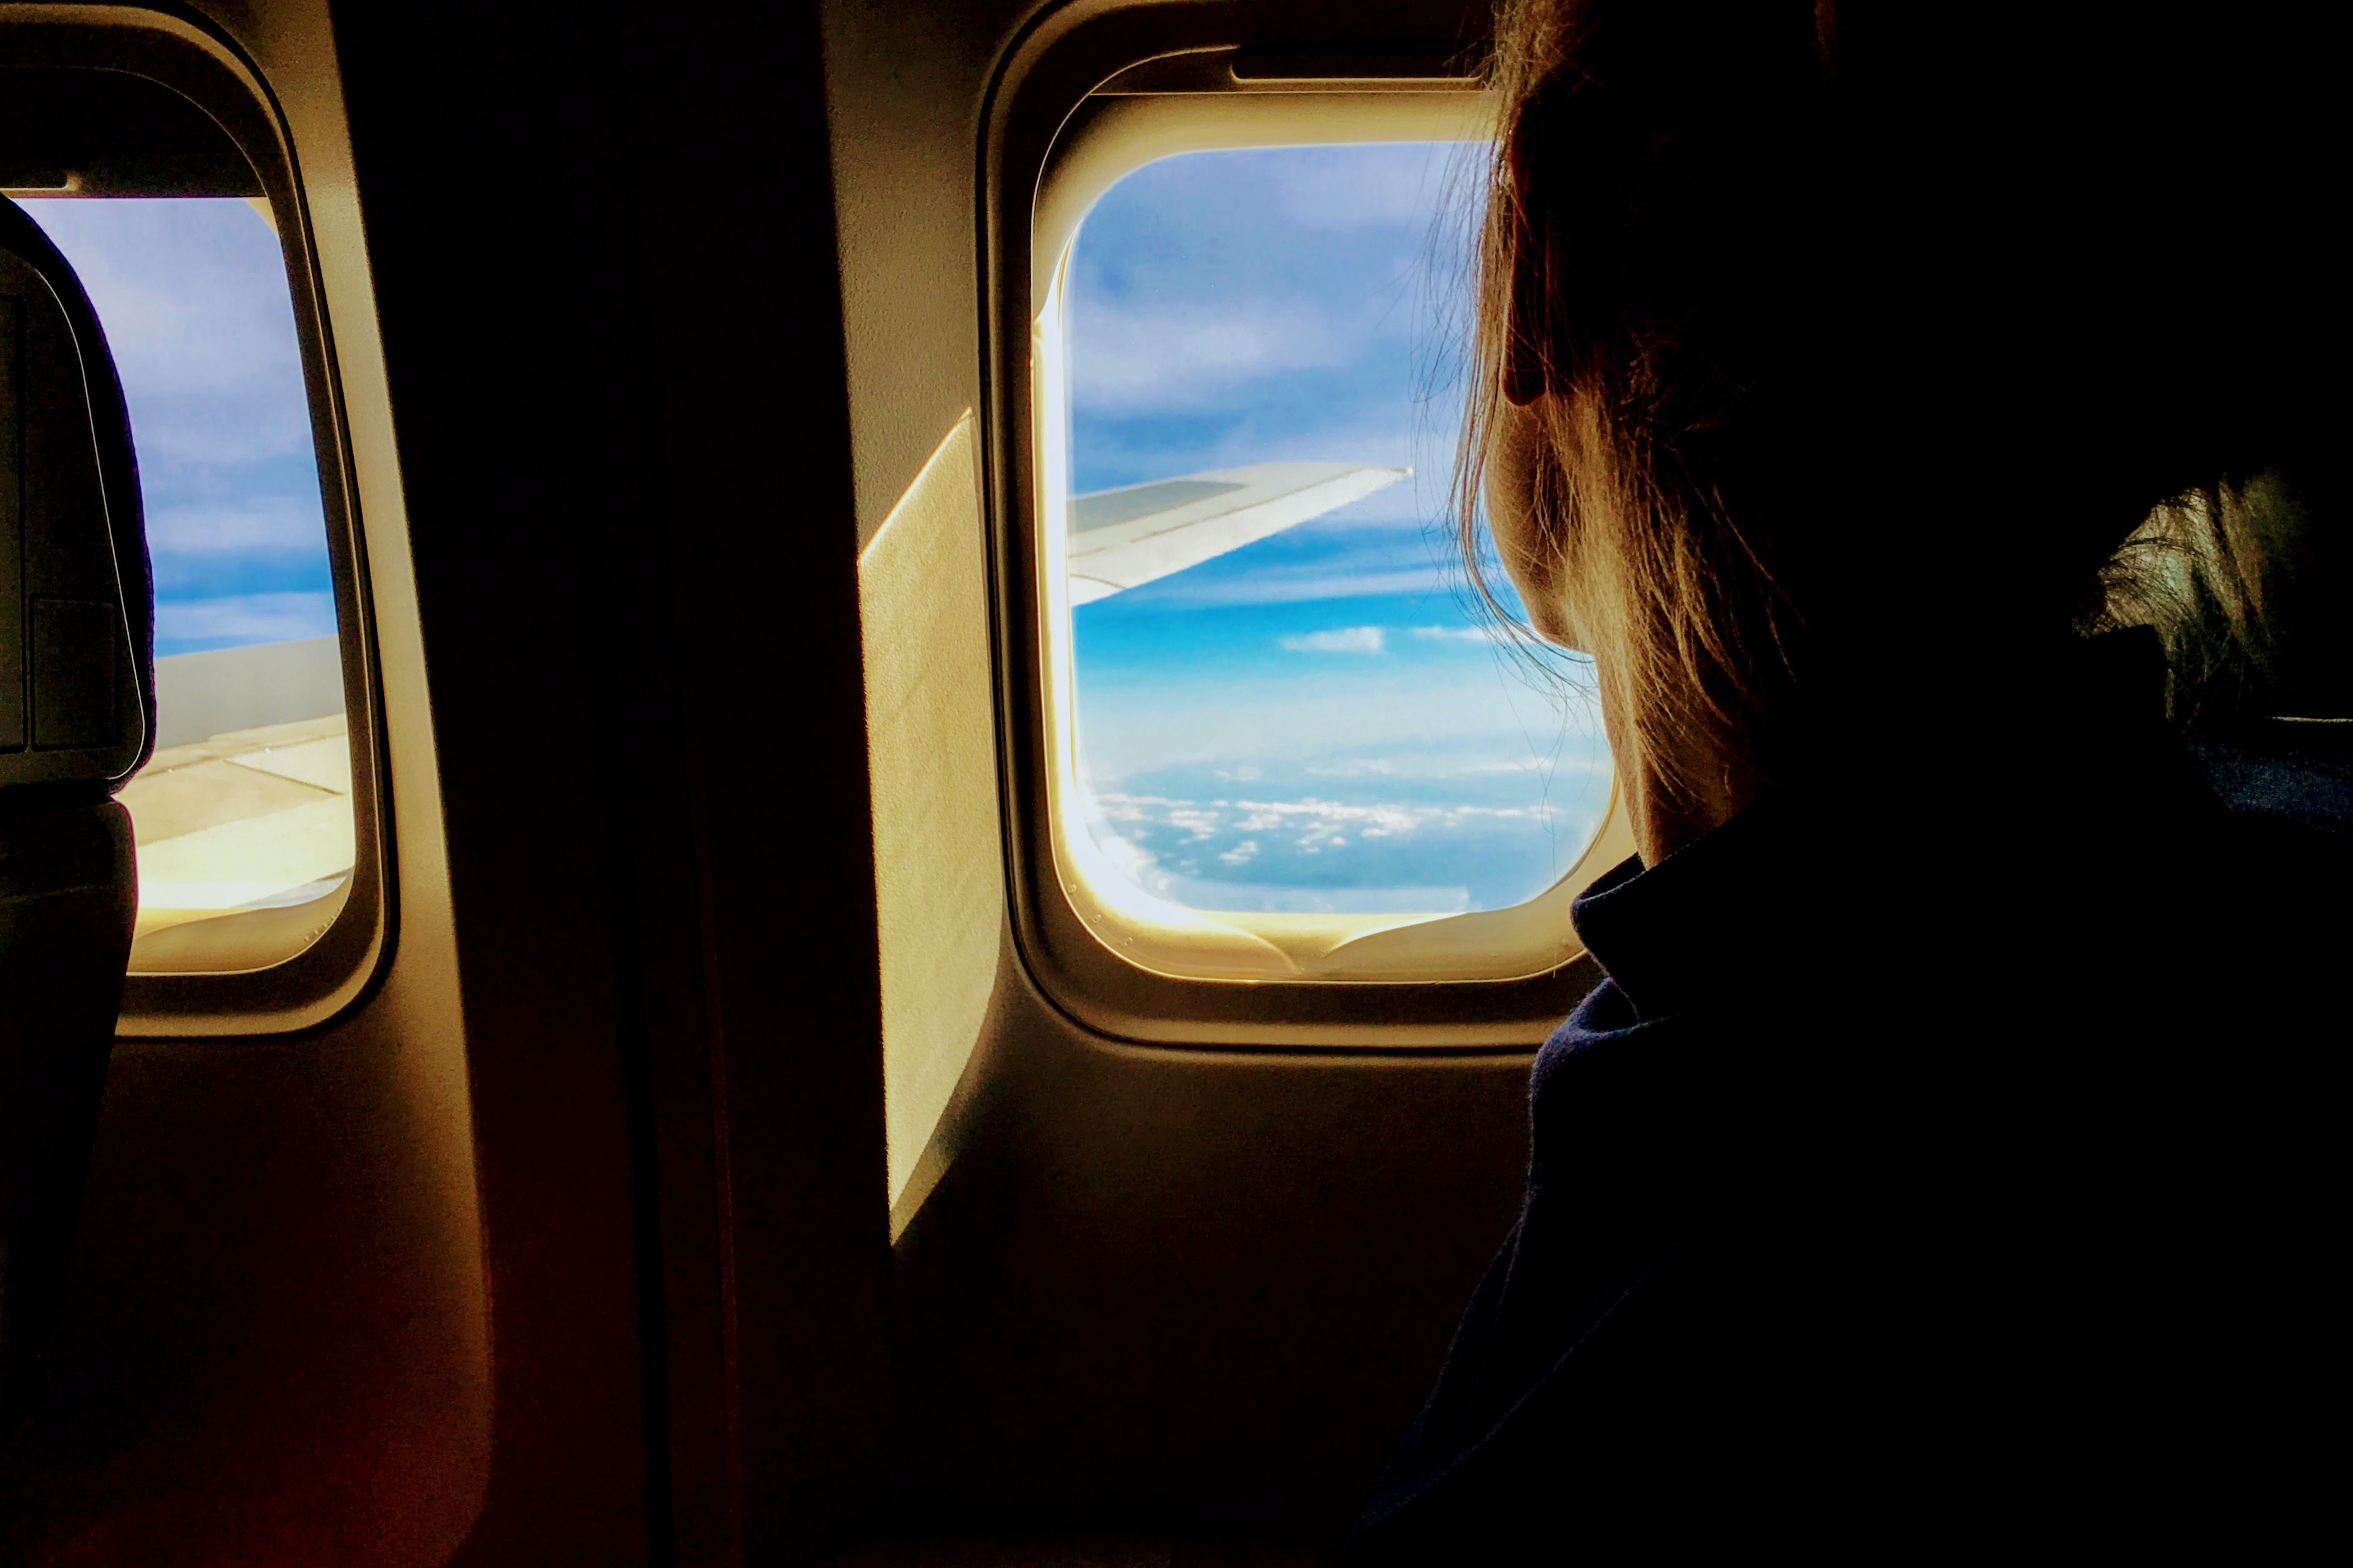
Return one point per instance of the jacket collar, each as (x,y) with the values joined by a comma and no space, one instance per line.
(1896,842)
(1713,914)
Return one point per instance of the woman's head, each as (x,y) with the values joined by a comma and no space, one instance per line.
(1824,352)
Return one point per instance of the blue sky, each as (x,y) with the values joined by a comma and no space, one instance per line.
(1316,721)
(192,293)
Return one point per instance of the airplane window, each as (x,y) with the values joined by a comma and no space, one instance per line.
(1284,699)
(245,804)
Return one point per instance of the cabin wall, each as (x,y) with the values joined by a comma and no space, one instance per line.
(603,240)
(277,1347)
(1150,1291)
(569,1242)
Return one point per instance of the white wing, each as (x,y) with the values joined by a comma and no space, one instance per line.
(246,803)
(1125,538)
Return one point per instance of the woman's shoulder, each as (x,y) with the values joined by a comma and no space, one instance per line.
(1607,1063)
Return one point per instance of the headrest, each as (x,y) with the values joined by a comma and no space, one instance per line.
(76,600)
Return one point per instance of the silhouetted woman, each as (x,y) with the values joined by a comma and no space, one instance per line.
(1948,1158)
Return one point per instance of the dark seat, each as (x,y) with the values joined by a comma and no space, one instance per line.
(77,720)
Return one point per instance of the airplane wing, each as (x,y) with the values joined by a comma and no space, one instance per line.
(247,801)
(247,820)
(1125,538)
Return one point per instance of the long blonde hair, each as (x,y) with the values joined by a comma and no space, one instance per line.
(1658,573)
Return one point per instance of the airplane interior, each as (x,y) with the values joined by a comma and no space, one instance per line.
(825,869)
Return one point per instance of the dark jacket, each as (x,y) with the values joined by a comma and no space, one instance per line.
(1945,1162)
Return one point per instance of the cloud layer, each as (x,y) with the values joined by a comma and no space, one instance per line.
(1361,835)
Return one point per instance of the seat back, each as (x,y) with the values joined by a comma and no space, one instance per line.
(77,720)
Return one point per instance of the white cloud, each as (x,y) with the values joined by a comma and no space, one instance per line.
(1454,633)
(1318,823)
(1537,765)
(1193,355)
(1362,188)
(1277,586)
(1241,854)
(221,427)
(1116,808)
(263,523)
(193,297)
(1344,640)
(1446,765)
(1198,823)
